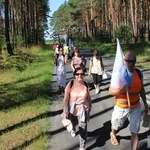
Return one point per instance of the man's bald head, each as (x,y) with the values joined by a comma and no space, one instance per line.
(130,56)
(129,61)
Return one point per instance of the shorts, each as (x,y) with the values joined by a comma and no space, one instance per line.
(97,79)
(120,115)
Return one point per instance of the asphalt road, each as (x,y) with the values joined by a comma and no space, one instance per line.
(99,124)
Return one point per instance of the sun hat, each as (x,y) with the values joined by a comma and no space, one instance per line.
(67,123)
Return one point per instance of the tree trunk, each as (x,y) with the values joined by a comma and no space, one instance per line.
(134,19)
(9,48)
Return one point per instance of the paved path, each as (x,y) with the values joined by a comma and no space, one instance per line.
(99,124)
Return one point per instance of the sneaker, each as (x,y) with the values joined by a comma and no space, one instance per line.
(81,148)
(73,134)
(96,90)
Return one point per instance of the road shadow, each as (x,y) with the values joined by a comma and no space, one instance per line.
(102,135)
(142,136)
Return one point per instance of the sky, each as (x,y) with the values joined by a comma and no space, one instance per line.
(54,5)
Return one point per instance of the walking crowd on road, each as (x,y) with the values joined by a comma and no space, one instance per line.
(77,101)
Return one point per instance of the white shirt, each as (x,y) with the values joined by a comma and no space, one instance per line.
(96,66)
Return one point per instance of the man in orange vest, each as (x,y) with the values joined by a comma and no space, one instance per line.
(128,105)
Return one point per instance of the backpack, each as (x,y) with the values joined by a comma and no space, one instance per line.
(57,55)
(101,62)
(100,58)
(82,63)
(72,82)
(138,72)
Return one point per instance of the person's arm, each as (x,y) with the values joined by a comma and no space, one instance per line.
(89,100)
(55,60)
(67,50)
(72,66)
(114,91)
(90,67)
(102,65)
(66,59)
(143,96)
(55,52)
(65,103)
(84,60)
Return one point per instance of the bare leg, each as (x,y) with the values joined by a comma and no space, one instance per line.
(113,138)
(98,86)
(134,141)
(95,85)
(113,131)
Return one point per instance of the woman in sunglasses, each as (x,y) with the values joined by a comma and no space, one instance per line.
(77,105)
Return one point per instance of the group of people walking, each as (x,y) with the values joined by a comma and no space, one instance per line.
(96,67)
(77,102)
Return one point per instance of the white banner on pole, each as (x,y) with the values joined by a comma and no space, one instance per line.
(118,78)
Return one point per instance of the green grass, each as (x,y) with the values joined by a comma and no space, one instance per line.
(142,51)
(24,104)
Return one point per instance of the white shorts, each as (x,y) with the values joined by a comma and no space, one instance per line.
(120,115)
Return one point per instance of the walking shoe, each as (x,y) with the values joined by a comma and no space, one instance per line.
(81,148)
(96,90)
(73,134)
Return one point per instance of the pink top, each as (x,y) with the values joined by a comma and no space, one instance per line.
(78,97)
(77,62)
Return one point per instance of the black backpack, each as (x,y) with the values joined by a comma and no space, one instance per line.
(57,55)
(138,72)
(100,58)
(72,82)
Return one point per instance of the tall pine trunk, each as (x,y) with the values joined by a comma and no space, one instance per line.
(134,19)
(9,47)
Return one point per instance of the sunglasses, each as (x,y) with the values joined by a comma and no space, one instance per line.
(130,61)
(81,74)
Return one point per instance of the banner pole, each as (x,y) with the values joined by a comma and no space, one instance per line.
(128,98)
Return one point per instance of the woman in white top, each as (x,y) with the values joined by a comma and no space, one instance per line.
(60,61)
(96,69)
